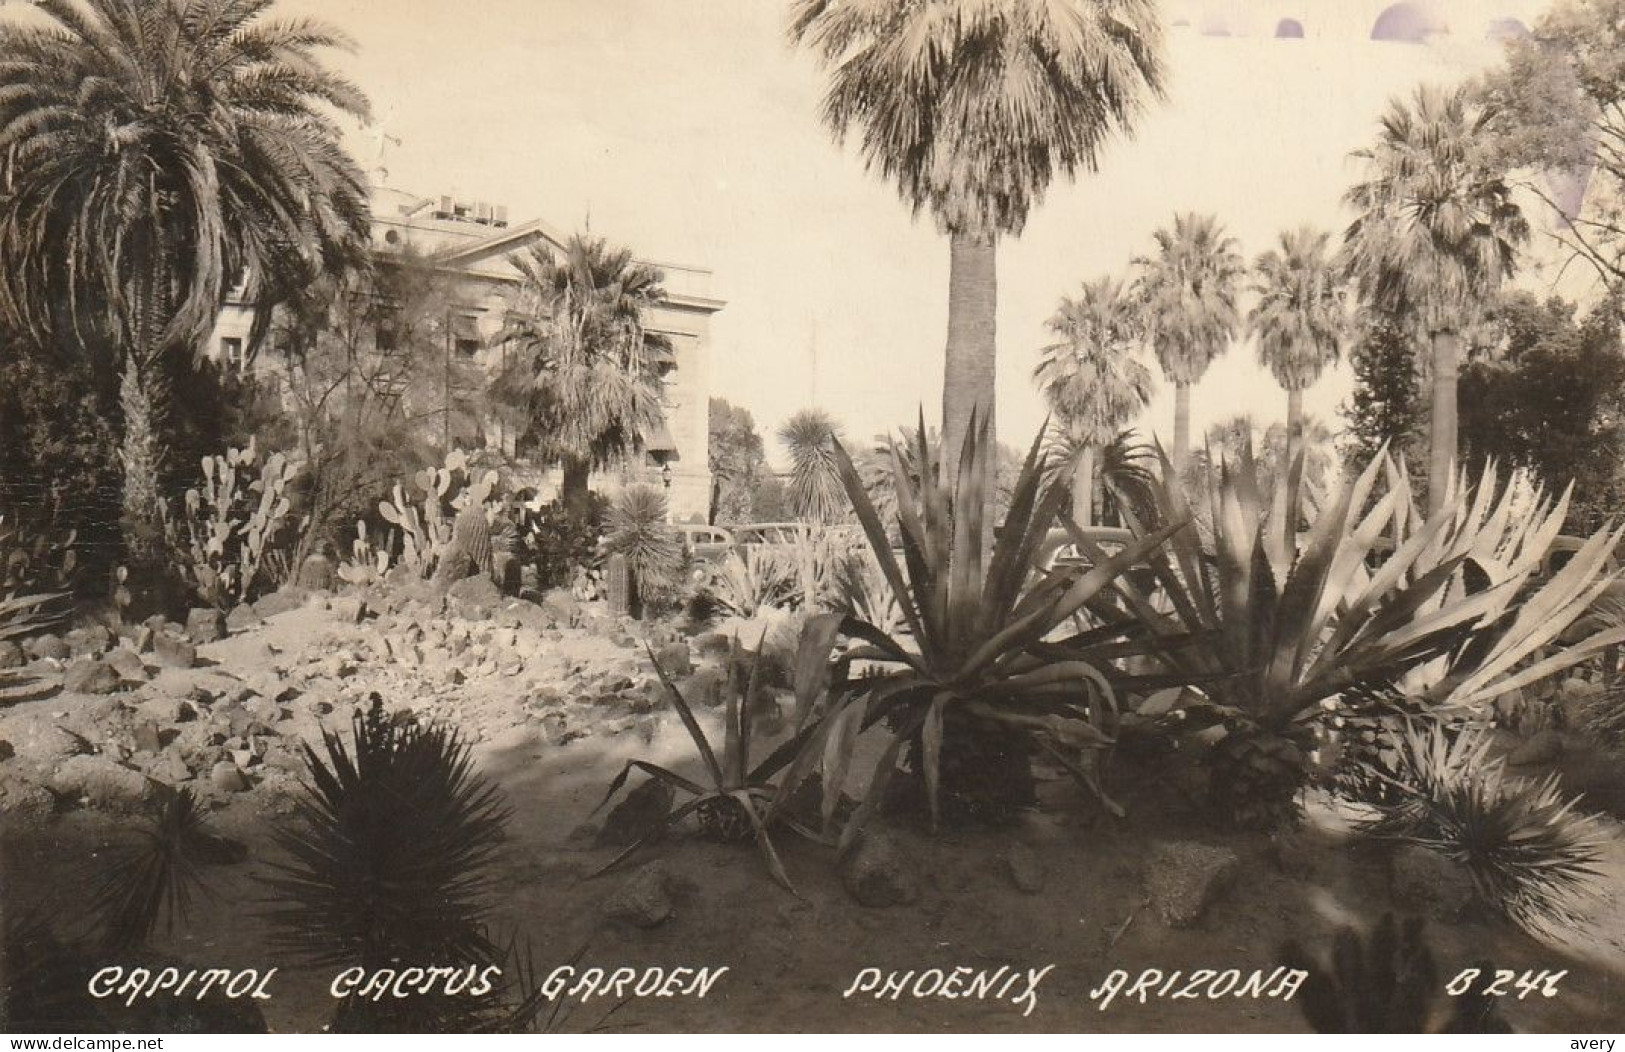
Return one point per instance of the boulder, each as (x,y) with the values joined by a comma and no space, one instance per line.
(89,641)
(474,598)
(11,655)
(147,738)
(243,616)
(641,813)
(562,607)
(1427,882)
(1026,869)
(317,573)
(48,646)
(878,874)
(7,750)
(127,663)
(225,776)
(280,602)
(350,609)
(205,624)
(45,745)
(174,651)
(102,782)
(644,900)
(674,659)
(1182,879)
(171,768)
(90,676)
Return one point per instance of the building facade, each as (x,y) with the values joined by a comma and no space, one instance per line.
(472,243)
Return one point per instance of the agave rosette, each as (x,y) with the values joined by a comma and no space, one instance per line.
(976,625)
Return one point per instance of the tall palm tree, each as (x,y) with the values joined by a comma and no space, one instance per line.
(816,492)
(972,109)
(1188,291)
(1301,322)
(1092,377)
(1437,233)
(155,150)
(585,369)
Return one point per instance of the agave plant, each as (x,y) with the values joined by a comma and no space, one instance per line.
(1531,854)
(749,579)
(738,800)
(968,681)
(1271,625)
(391,850)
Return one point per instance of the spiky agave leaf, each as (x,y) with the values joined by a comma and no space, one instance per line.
(391,849)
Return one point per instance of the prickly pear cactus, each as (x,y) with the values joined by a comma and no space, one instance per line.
(618,585)
(232,520)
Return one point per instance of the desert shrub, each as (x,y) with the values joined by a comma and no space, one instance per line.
(637,530)
(1271,625)
(560,543)
(390,855)
(233,520)
(1531,854)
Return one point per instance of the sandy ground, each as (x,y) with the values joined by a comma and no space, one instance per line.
(793,957)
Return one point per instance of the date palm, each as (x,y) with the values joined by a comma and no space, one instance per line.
(587,370)
(1300,321)
(1188,291)
(1437,233)
(1092,377)
(154,151)
(972,109)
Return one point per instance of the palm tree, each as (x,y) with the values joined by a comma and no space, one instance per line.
(816,492)
(1300,321)
(585,370)
(154,151)
(972,110)
(1436,234)
(1188,291)
(1092,378)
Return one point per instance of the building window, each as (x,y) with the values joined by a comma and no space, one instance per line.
(231,355)
(467,348)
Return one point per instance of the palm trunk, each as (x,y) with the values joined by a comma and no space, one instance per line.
(1442,437)
(1083,488)
(1294,449)
(573,489)
(969,368)
(142,456)
(1182,430)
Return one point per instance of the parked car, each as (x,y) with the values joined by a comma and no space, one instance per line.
(1060,552)
(706,544)
(770,533)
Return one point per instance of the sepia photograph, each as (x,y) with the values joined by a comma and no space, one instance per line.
(661,517)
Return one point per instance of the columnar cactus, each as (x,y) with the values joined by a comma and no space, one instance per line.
(618,585)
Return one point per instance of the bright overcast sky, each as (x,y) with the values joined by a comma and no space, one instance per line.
(688,130)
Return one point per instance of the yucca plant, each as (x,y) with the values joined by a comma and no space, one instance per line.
(390,857)
(737,801)
(638,530)
(1531,854)
(967,687)
(749,579)
(1271,625)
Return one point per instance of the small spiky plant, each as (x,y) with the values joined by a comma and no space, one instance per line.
(638,531)
(390,857)
(1531,854)
(1382,982)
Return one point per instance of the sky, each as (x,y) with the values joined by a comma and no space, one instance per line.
(689,131)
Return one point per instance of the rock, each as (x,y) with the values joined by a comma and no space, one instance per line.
(127,663)
(1427,882)
(644,900)
(174,651)
(140,638)
(1182,879)
(46,745)
(1545,747)
(147,738)
(1026,869)
(102,782)
(474,598)
(674,659)
(707,688)
(171,768)
(876,873)
(48,646)
(11,655)
(90,676)
(243,616)
(89,641)
(642,812)
(562,607)
(227,778)
(280,602)
(7,751)
(521,738)
(205,624)
(350,609)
